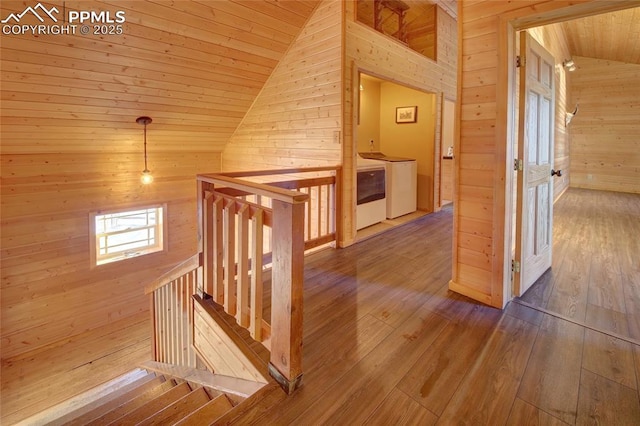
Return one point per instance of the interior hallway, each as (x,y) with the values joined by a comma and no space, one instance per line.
(595,274)
(387,343)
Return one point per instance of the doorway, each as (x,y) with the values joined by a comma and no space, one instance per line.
(563,128)
(380,129)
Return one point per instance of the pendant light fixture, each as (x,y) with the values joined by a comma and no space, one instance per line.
(146,177)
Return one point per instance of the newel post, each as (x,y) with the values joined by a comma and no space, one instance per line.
(286,295)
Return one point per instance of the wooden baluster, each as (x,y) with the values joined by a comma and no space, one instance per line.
(218,251)
(171,331)
(208,235)
(319,202)
(242,314)
(163,323)
(156,333)
(180,322)
(286,294)
(255,326)
(192,355)
(308,211)
(337,211)
(229,258)
(331,210)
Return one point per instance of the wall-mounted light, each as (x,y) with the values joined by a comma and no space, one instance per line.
(569,65)
(146,177)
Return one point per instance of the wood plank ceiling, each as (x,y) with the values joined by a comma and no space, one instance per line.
(612,36)
(195,67)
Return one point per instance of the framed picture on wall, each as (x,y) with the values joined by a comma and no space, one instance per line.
(407,114)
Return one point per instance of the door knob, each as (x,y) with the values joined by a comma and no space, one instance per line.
(556,172)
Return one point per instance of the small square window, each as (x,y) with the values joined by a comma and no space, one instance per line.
(121,235)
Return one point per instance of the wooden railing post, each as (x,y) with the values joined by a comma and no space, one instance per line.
(286,295)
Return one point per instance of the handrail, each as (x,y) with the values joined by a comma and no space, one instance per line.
(174,273)
(287,196)
(267,172)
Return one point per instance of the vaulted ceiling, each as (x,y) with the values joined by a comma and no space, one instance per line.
(195,67)
(613,36)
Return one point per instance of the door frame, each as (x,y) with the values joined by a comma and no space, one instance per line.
(508,26)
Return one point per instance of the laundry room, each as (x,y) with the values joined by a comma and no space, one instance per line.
(399,123)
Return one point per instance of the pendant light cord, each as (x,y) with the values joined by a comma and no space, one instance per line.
(145,147)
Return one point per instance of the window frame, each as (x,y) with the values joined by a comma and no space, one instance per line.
(94,244)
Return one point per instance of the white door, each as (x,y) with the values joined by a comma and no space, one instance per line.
(534,214)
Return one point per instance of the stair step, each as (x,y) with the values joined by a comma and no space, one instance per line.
(97,397)
(179,409)
(225,384)
(150,408)
(105,406)
(131,404)
(208,413)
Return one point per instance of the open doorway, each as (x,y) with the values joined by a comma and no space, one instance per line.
(397,126)
(566,108)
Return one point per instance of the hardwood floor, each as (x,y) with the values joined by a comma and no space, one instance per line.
(386,343)
(595,275)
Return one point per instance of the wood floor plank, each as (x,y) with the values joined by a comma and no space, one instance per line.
(435,377)
(540,292)
(604,402)
(450,305)
(524,413)
(399,409)
(525,313)
(570,291)
(487,393)
(631,288)
(355,396)
(636,363)
(393,309)
(608,320)
(609,357)
(552,377)
(605,282)
(330,353)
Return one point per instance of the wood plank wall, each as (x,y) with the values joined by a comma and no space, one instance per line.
(296,120)
(386,58)
(480,209)
(605,149)
(70,145)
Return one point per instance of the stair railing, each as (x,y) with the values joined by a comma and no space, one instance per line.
(251,220)
(172,312)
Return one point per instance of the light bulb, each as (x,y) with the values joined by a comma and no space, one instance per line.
(146,177)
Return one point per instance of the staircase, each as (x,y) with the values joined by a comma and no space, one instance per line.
(151,396)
